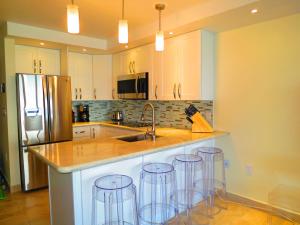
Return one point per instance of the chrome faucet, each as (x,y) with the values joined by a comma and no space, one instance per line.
(152,132)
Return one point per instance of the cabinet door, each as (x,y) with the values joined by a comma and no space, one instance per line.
(170,67)
(117,68)
(127,62)
(155,79)
(189,83)
(73,72)
(102,77)
(48,61)
(85,76)
(25,59)
(143,59)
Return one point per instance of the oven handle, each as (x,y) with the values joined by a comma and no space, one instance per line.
(136,85)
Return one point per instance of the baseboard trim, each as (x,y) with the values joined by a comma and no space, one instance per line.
(265,207)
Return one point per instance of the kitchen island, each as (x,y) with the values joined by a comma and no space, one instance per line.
(75,165)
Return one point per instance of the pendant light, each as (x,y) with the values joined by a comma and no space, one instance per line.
(159,38)
(73,18)
(123,28)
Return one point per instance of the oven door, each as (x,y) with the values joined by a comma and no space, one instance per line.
(133,86)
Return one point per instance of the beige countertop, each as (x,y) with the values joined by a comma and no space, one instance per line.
(70,156)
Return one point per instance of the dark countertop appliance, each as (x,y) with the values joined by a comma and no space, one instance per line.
(83,113)
(133,86)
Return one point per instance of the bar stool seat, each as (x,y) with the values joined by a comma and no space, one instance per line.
(192,202)
(214,176)
(158,198)
(114,201)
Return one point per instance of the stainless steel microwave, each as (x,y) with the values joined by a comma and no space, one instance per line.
(133,86)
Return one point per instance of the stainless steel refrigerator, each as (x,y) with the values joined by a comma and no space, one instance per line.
(45,116)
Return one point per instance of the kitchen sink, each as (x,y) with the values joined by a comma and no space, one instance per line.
(134,138)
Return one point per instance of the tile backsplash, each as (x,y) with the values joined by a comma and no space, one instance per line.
(168,113)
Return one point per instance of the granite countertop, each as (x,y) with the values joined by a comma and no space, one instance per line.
(70,156)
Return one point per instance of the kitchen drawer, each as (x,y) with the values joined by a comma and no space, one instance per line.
(81,132)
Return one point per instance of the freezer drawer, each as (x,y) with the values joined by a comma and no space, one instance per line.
(34,172)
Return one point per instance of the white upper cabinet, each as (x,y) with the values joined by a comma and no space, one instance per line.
(116,71)
(137,60)
(37,60)
(102,77)
(189,72)
(91,76)
(187,66)
(185,70)
(170,70)
(143,59)
(80,67)
(49,61)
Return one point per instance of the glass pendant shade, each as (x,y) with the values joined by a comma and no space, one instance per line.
(123,32)
(73,19)
(159,41)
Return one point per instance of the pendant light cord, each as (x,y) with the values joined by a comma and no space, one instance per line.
(159,20)
(72,2)
(122,9)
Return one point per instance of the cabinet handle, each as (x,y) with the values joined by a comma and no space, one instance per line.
(80,93)
(113,93)
(174,91)
(34,66)
(95,93)
(179,90)
(94,133)
(76,94)
(133,67)
(40,66)
(130,64)
(155,92)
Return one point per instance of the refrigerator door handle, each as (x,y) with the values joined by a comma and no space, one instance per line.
(50,111)
(46,108)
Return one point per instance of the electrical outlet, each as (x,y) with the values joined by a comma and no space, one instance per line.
(249,169)
(226,163)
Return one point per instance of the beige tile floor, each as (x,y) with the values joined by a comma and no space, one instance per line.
(32,209)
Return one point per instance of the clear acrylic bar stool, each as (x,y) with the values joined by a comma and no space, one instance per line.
(157,198)
(114,201)
(192,203)
(214,177)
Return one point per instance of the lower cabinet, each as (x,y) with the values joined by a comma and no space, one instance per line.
(80,133)
(98,131)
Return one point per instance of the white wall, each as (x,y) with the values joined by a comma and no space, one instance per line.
(4,150)
(258,101)
(12,124)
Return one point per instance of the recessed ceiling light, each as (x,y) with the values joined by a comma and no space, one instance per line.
(42,43)
(171,33)
(84,49)
(126,46)
(253,11)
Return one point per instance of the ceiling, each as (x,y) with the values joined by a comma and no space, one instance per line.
(98,18)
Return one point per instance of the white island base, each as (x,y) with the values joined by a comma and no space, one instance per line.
(71,193)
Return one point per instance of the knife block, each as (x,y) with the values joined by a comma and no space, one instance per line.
(200,125)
